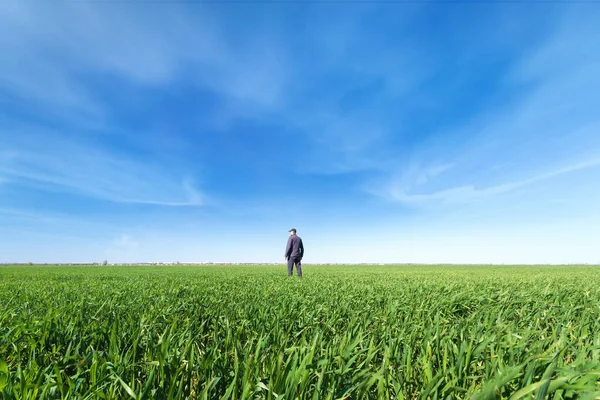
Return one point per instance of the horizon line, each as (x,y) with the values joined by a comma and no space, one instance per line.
(158,263)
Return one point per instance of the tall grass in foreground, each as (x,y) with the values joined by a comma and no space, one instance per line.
(341,332)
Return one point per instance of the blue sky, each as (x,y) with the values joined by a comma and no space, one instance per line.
(182,131)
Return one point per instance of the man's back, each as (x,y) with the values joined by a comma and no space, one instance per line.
(295,247)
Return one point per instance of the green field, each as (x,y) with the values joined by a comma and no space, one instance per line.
(355,332)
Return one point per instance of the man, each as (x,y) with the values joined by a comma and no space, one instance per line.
(294,251)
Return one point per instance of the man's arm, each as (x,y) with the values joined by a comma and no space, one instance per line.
(301,249)
(288,248)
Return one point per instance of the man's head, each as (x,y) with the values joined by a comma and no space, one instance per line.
(292,231)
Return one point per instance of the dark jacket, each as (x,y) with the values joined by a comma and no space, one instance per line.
(294,248)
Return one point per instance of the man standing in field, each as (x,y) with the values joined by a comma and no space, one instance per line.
(294,251)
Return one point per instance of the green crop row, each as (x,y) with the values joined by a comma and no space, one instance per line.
(342,332)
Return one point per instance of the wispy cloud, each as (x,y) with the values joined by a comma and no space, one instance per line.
(54,49)
(60,57)
(547,131)
(255,74)
(405,192)
(50,161)
(25,215)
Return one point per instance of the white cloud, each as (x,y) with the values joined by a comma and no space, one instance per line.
(52,162)
(53,46)
(465,194)
(58,49)
(422,176)
(546,132)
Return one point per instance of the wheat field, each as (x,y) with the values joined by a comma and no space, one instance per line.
(342,332)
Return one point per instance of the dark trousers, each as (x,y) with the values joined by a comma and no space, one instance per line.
(298,262)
